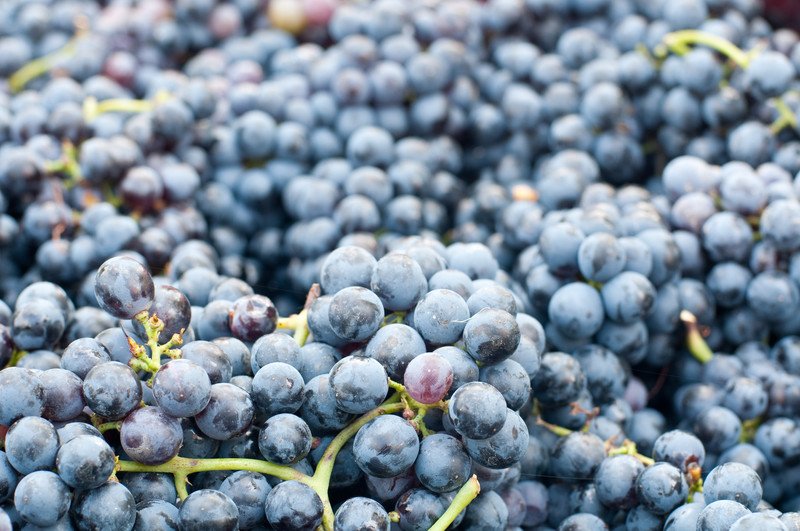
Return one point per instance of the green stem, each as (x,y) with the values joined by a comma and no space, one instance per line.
(153,326)
(628,447)
(749,428)
(181,479)
(40,66)
(556,429)
(694,339)
(16,355)
(106,426)
(298,323)
(185,466)
(785,117)
(678,43)
(465,495)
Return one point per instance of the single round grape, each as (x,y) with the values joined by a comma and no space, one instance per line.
(355,314)
(442,464)
(505,447)
(85,462)
(277,388)
(182,388)
(208,509)
(284,439)
(21,394)
(733,481)
(150,436)
(41,498)
(358,384)
(616,481)
(680,449)
(248,490)
(112,390)
(360,513)
(428,378)
(211,358)
(63,395)
(31,444)
(123,287)
(156,514)
(109,506)
(661,488)
(491,335)
(477,410)
(386,446)
(253,316)
(228,414)
(149,486)
(293,505)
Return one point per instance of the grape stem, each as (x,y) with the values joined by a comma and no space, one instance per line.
(299,322)
(153,326)
(67,165)
(40,66)
(694,476)
(93,108)
(468,492)
(628,447)
(697,346)
(749,428)
(678,42)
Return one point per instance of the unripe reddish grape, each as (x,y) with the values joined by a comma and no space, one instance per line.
(428,377)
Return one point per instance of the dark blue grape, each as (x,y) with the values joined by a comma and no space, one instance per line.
(491,336)
(511,379)
(85,462)
(31,444)
(228,414)
(208,509)
(284,439)
(211,358)
(661,488)
(577,455)
(394,346)
(718,428)
(149,486)
(109,506)
(385,446)
(745,397)
(248,491)
(720,514)
(150,436)
(41,498)
(361,513)
(112,390)
(319,407)
(358,384)
(277,388)
(253,316)
(477,410)
(559,380)
(273,348)
(442,464)
(733,481)
(83,354)
(582,521)
(37,324)
(680,449)
(124,287)
(616,481)
(63,395)
(156,514)
(440,316)
(293,505)
(355,314)
(758,521)
(181,388)
(419,509)
(505,447)
(174,310)
(345,267)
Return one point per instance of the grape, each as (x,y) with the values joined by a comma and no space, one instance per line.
(428,378)
(361,513)
(156,514)
(491,336)
(85,462)
(21,394)
(661,488)
(41,498)
(733,481)
(440,316)
(109,506)
(181,388)
(124,287)
(150,486)
(358,384)
(721,514)
(112,390)
(253,316)
(150,436)
(63,395)
(248,491)
(293,505)
(477,410)
(228,413)
(284,439)
(31,444)
(419,509)
(355,313)
(442,464)
(208,508)
(277,388)
(385,446)
(504,448)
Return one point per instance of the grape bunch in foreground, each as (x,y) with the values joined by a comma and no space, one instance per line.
(405,265)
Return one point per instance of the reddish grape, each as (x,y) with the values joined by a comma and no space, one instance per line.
(428,377)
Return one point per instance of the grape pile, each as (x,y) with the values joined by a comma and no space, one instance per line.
(482,265)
